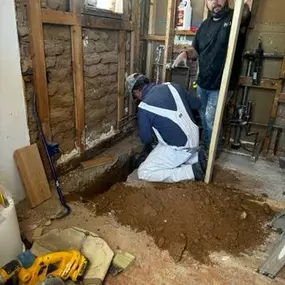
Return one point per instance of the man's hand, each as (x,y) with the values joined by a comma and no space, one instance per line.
(181,60)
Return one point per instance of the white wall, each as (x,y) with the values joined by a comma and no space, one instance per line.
(13,121)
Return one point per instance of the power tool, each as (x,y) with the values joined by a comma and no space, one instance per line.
(63,264)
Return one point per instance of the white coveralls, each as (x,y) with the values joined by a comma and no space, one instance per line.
(171,163)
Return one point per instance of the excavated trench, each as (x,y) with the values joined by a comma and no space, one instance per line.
(183,217)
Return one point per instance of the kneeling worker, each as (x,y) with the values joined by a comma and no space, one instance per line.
(167,110)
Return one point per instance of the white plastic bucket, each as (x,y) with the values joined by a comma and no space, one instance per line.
(10,238)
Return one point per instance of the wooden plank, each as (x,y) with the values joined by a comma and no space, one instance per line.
(169,36)
(273,115)
(97,161)
(266,83)
(153,38)
(39,66)
(78,80)
(254,9)
(88,21)
(151,24)
(121,75)
(185,33)
(32,174)
(224,87)
(282,71)
(50,16)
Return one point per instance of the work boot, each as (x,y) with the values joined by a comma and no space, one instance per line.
(202,158)
(198,171)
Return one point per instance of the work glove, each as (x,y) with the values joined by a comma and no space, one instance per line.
(181,60)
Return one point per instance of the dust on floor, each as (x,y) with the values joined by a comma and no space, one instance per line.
(192,217)
(153,266)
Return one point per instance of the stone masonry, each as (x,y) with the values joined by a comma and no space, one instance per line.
(100,77)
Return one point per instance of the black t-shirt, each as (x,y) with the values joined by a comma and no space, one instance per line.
(211,43)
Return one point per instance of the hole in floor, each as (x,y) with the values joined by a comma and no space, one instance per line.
(117,173)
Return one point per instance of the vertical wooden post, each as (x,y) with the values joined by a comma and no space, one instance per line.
(282,71)
(135,45)
(39,66)
(169,37)
(149,57)
(273,115)
(121,75)
(78,80)
(224,86)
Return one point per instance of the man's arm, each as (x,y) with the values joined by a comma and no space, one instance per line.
(144,126)
(188,53)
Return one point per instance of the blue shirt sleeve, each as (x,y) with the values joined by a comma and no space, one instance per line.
(145,126)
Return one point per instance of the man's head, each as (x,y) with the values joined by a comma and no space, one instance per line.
(218,7)
(135,83)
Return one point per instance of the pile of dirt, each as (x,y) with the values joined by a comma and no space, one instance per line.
(195,217)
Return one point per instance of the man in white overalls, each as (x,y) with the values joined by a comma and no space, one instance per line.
(167,111)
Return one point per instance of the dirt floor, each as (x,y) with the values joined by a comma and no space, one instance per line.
(190,217)
(187,233)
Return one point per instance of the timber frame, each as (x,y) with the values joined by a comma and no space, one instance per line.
(38,16)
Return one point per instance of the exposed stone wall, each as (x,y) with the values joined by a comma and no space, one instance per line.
(100,78)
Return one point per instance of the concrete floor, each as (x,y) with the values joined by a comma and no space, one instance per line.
(154,266)
(261,177)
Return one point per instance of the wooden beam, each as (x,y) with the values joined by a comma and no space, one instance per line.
(224,87)
(135,46)
(78,80)
(39,66)
(105,23)
(121,75)
(151,23)
(266,83)
(169,36)
(282,71)
(273,115)
(50,16)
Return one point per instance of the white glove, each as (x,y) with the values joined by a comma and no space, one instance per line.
(181,60)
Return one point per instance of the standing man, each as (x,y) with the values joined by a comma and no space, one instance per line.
(166,110)
(210,47)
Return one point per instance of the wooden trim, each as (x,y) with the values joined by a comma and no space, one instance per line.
(273,115)
(39,66)
(282,71)
(224,87)
(169,39)
(78,80)
(105,23)
(153,38)
(58,17)
(266,83)
(121,75)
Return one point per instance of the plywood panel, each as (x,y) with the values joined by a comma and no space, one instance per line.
(33,175)
(271,11)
